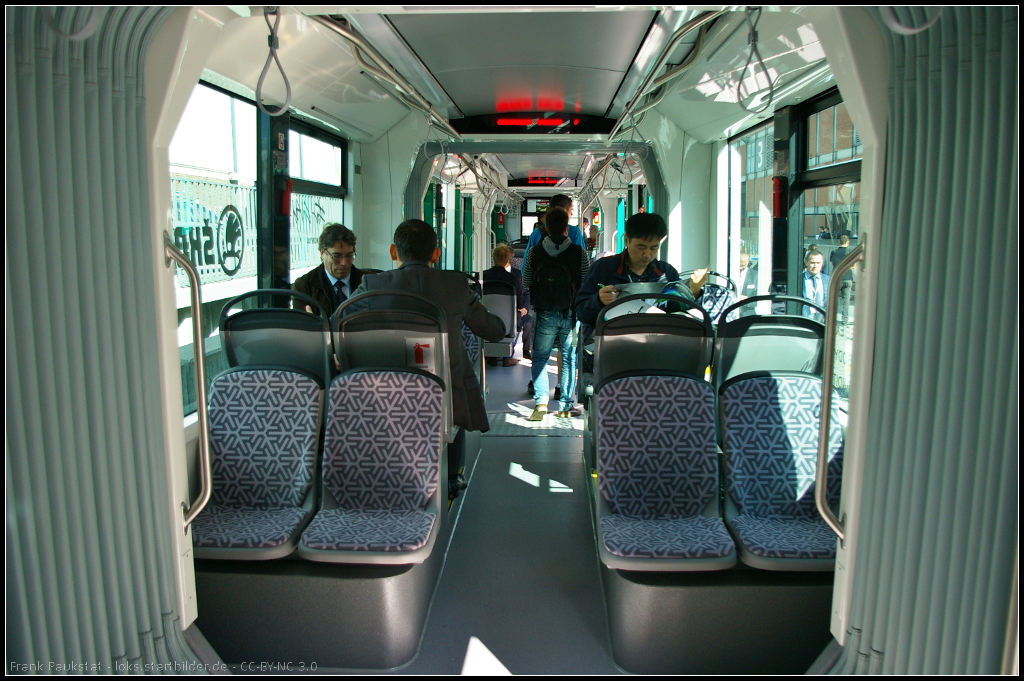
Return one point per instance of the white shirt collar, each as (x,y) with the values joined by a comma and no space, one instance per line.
(331,278)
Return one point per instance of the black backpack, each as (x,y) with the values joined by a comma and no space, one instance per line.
(554,286)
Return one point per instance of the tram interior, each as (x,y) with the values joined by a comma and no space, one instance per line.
(758,134)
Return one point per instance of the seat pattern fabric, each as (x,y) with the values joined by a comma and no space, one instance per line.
(264,426)
(656,444)
(696,537)
(377,530)
(472,344)
(383,440)
(802,537)
(250,528)
(770,438)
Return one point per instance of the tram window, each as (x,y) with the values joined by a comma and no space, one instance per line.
(750,215)
(316,162)
(831,138)
(213,189)
(313,159)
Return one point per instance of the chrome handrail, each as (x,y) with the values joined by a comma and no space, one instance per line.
(387,73)
(646,85)
(831,316)
(206,478)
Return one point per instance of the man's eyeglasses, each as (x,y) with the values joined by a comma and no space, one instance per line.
(342,257)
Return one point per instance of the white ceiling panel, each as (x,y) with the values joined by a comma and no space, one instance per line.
(320,69)
(489,63)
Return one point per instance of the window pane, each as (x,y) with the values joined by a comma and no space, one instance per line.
(750,218)
(831,213)
(314,160)
(831,138)
(309,215)
(213,211)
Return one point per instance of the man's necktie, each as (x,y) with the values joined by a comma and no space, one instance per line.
(339,292)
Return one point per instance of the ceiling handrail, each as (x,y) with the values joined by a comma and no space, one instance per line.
(649,79)
(386,72)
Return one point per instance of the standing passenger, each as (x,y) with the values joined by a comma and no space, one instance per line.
(553,270)
(575,235)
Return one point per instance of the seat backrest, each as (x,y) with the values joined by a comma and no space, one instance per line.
(264,431)
(656,452)
(499,297)
(767,342)
(391,329)
(652,343)
(382,440)
(770,423)
(718,294)
(394,330)
(277,335)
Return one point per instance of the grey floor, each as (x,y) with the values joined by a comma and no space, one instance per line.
(522,571)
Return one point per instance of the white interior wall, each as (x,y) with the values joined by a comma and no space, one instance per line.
(687,170)
(386,168)
(353,201)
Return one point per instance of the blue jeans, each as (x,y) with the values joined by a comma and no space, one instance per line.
(550,326)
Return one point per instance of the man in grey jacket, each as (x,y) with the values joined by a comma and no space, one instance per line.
(414,251)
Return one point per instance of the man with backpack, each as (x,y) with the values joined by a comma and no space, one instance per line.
(554,270)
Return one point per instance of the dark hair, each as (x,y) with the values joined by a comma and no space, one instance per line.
(557,221)
(646,225)
(560,201)
(415,240)
(333,233)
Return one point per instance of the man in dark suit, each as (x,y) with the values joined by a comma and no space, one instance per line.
(746,282)
(503,271)
(333,282)
(414,251)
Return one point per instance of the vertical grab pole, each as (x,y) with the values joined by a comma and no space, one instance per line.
(831,317)
(206,479)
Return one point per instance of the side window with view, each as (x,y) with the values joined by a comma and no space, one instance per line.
(213,193)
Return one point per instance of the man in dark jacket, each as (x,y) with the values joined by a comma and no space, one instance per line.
(553,270)
(333,282)
(503,271)
(637,263)
(415,250)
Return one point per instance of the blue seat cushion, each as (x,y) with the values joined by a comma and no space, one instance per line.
(695,537)
(249,528)
(781,537)
(372,530)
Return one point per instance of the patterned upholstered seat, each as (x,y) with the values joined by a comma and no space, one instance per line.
(264,426)
(658,475)
(381,468)
(472,343)
(770,428)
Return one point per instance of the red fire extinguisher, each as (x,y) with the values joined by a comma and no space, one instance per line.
(501,218)
(418,352)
